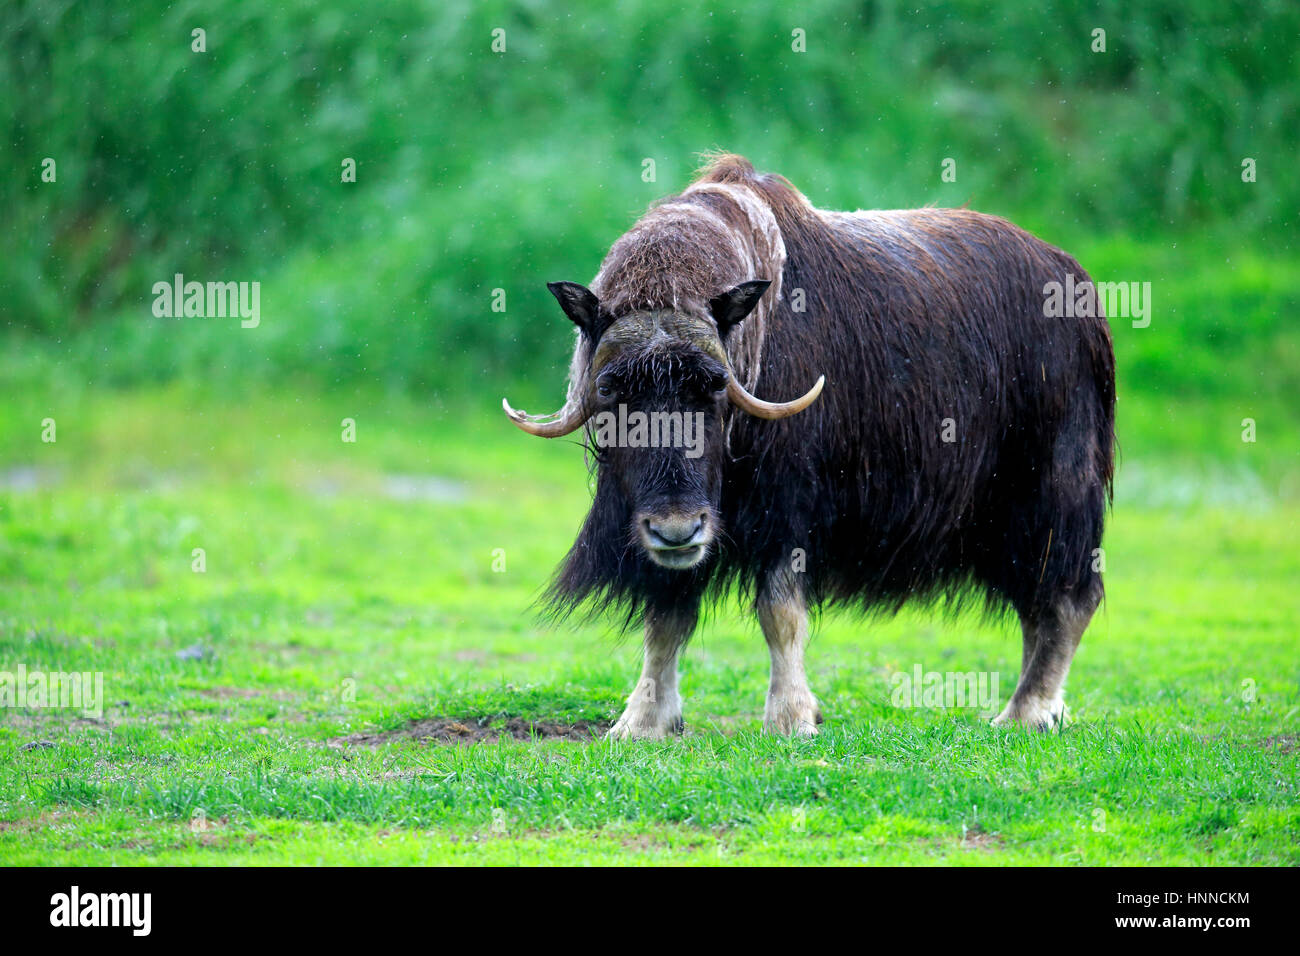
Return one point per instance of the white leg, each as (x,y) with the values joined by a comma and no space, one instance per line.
(1049,645)
(654,709)
(791,707)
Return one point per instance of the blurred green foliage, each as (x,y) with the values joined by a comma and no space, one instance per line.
(480,170)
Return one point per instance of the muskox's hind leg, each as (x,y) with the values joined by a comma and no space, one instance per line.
(654,709)
(791,707)
(1050,640)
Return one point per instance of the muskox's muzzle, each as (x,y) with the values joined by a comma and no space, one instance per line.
(676,539)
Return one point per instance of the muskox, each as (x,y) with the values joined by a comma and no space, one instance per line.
(941,436)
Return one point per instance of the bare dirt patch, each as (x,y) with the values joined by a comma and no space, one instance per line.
(45,820)
(472,730)
(975,837)
(244,693)
(1283,743)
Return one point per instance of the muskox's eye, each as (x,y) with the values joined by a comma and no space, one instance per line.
(605,390)
(717,383)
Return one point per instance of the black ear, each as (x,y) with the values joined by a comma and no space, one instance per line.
(734,304)
(579,304)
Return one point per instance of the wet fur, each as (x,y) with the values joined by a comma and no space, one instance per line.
(914,316)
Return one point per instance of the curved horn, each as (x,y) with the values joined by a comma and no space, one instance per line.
(568,419)
(770,410)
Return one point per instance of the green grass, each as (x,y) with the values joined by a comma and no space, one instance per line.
(478,170)
(349,588)
(319,573)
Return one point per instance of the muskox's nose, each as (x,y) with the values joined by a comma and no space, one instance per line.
(675,531)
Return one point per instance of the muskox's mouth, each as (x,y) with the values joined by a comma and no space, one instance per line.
(676,539)
(678,559)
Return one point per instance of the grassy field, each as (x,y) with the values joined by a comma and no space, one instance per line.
(355,598)
(263,711)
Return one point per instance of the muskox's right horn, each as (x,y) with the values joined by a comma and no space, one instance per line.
(568,419)
(583,308)
(770,410)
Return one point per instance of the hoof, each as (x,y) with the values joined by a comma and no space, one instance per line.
(1033,714)
(792,716)
(646,725)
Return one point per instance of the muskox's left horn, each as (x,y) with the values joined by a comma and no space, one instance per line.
(568,419)
(770,410)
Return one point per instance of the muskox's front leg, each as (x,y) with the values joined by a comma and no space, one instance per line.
(654,709)
(791,707)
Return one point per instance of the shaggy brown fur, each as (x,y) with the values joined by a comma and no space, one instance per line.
(916,318)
